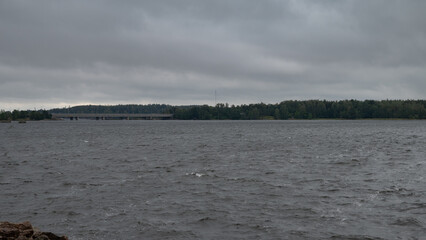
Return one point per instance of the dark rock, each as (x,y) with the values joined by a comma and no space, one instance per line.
(24,231)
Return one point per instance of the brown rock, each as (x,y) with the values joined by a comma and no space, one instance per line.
(24,231)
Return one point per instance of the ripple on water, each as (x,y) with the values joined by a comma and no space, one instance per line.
(212,180)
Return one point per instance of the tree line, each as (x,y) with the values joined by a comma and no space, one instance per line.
(16,115)
(310,109)
(292,109)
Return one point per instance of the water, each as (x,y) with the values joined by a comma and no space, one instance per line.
(216,179)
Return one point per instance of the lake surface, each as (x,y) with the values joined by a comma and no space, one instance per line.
(216,179)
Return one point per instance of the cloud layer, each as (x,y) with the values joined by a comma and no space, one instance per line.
(60,53)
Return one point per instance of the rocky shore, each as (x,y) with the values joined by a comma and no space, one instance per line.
(25,231)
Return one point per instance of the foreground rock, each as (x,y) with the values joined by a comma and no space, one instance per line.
(24,231)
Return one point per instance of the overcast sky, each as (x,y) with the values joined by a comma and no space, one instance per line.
(61,53)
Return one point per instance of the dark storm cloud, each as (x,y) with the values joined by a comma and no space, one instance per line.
(179,52)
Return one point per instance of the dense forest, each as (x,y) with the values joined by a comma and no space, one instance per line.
(311,109)
(24,115)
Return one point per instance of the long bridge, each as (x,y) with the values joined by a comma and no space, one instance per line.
(108,116)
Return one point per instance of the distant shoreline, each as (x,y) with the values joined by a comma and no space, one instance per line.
(292,109)
(211,120)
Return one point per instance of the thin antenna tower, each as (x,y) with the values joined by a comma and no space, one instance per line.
(215,103)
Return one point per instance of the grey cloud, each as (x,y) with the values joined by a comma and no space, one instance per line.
(175,51)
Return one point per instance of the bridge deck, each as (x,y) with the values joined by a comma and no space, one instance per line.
(112,115)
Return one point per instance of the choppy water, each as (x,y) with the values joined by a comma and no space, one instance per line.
(216,179)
